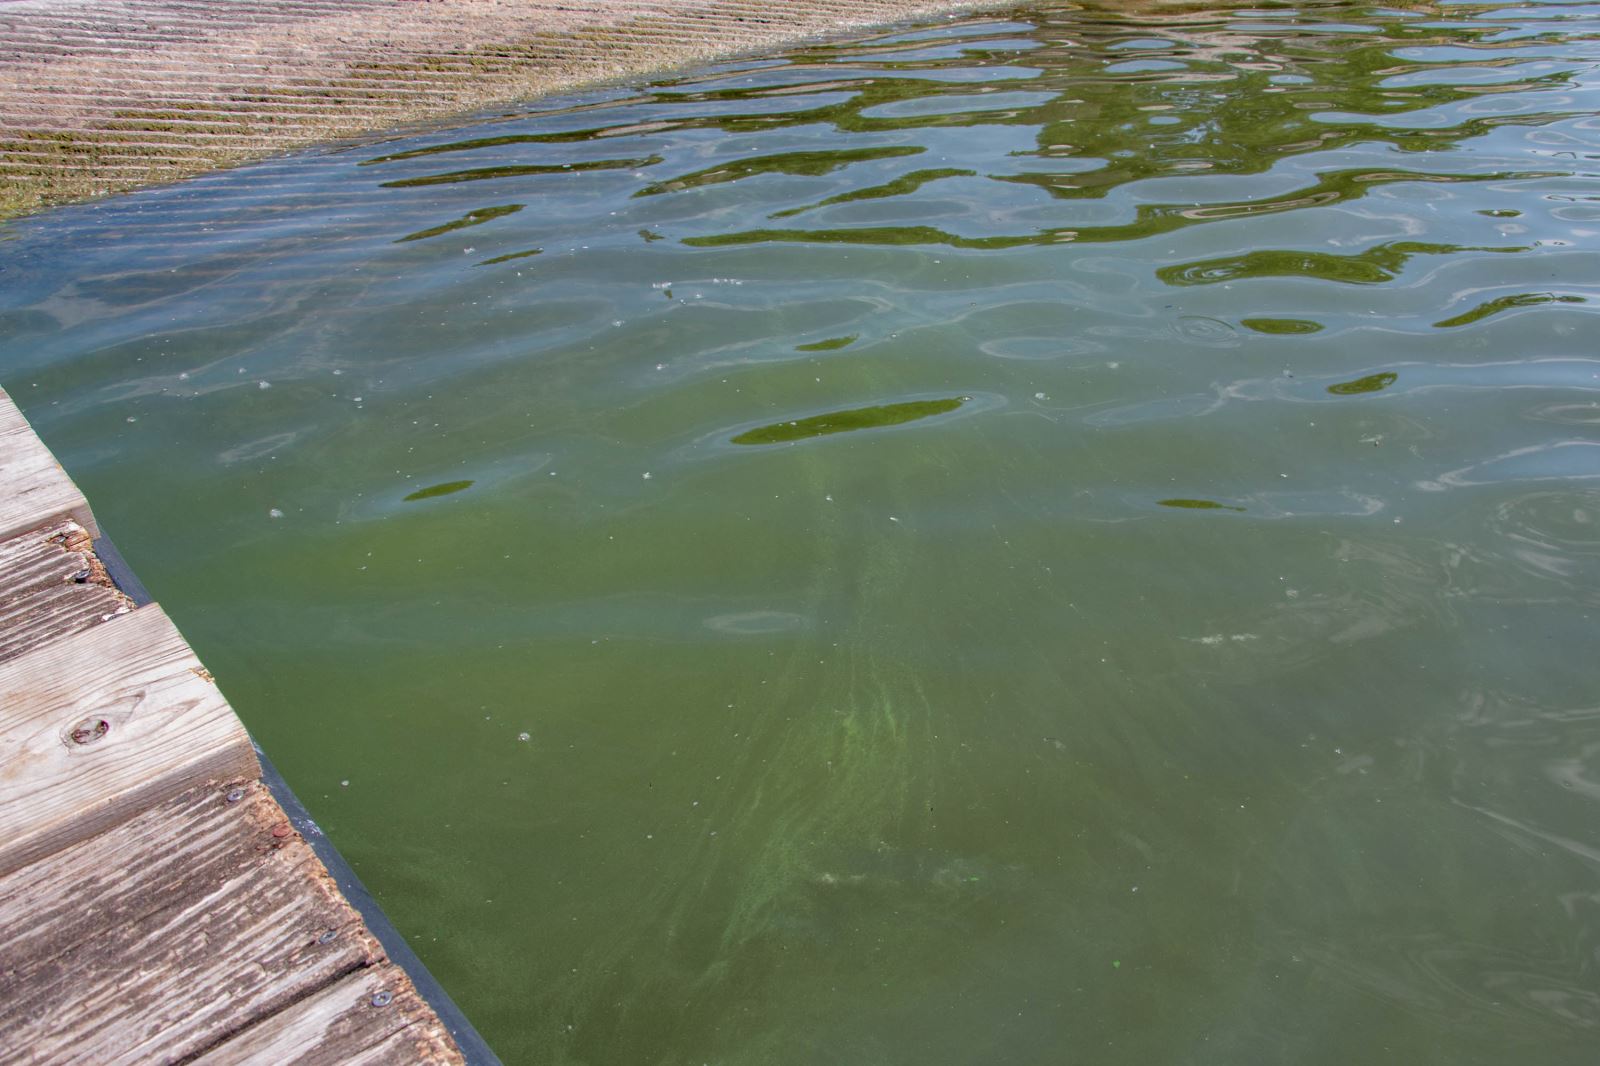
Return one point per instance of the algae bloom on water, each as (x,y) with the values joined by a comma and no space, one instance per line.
(1370,383)
(892,414)
(443,489)
(1199,505)
(832,344)
(1281,326)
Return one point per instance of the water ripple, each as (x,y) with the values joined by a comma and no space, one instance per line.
(966,532)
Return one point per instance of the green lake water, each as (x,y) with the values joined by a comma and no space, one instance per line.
(1059,537)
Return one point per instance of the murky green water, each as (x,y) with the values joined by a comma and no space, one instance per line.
(1069,538)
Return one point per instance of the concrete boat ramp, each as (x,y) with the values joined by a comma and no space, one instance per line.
(99,96)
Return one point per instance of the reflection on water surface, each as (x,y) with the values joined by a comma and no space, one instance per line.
(1215,687)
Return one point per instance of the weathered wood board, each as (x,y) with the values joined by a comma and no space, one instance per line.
(51,586)
(33,487)
(202,921)
(370,1018)
(164,936)
(100,725)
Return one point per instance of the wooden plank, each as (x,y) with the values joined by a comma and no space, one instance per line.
(51,586)
(54,613)
(373,1017)
(102,725)
(170,933)
(40,557)
(36,488)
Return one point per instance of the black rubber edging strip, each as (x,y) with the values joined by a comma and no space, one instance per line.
(121,573)
(474,1049)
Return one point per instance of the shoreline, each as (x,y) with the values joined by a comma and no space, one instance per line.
(108,96)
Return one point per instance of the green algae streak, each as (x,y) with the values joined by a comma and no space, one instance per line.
(1281,325)
(512,255)
(901,186)
(444,489)
(471,218)
(810,164)
(1506,303)
(832,344)
(892,414)
(1370,383)
(457,177)
(1199,505)
(1374,266)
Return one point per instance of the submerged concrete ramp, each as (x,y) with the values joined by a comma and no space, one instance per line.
(98,96)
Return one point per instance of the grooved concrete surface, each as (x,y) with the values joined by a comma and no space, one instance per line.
(98,96)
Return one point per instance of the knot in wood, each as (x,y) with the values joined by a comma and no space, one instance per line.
(89,730)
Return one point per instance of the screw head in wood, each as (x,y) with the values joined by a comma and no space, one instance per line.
(235,794)
(328,936)
(383,998)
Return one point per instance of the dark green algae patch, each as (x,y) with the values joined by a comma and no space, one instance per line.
(1507,303)
(832,344)
(1200,505)
(805,164)
(471,218)
(513,255)
(456,177)
(1370,383)
(892,414)
(1281,326)
(443,489)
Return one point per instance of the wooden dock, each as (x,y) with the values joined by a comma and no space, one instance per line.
(157,903)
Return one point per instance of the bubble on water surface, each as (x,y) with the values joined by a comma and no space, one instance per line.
(1211,332)
(750,623)
(1038,349)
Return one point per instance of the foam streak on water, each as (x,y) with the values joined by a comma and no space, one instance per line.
(1064,537)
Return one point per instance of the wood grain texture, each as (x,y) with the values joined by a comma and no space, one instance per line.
(102,725)
(169,934)
(371,1018)
(36,489)
(51,586)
